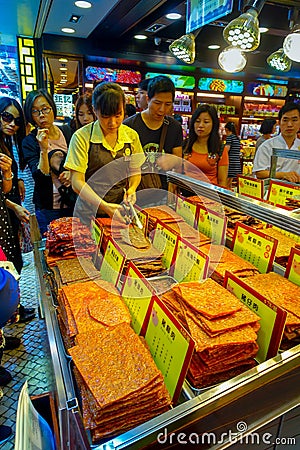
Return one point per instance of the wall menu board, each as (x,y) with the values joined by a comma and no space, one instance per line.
(201,12)
(180,81)
(266,89)
(112,75)
(220,85)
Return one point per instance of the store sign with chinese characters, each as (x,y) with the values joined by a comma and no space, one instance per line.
(272,318)
(254,246)
(112,263)
(64,105)
(280,192)
(251,187)
(292,272)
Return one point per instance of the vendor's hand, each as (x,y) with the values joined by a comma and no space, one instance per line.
(22,213)
(129,196)
(293,177)
(116,212)
(65,178)
(5,165)
(21,188)
(42,137)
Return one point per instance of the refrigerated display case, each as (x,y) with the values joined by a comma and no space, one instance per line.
(262,404)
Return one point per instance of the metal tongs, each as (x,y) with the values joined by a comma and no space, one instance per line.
(131,215)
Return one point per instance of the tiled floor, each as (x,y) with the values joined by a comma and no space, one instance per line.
(31,361)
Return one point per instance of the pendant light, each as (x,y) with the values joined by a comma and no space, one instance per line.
(232,59)
(184,48)
(279,61)
(243,32)
(291,44)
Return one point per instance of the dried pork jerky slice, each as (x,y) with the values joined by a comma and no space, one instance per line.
(279,290)
(110,310)
(132,235)
(114,376)
(208,298)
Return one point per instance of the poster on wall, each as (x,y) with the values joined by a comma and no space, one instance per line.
(180,81)
(9,74)
(202,12)
(112,75)
(220,85)
(266,89)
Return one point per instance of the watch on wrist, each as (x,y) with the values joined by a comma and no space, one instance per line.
(9,178)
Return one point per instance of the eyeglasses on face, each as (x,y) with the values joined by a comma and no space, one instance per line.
(8,118)
(37,112)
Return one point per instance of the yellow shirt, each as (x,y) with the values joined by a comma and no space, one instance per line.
(77,157)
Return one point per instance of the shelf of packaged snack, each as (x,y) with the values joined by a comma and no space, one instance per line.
(286,220)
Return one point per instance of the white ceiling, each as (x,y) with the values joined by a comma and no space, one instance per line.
(34,17)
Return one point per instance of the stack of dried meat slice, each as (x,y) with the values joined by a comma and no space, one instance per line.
(89,306)
(233,217)
(67,237)
(284,294)
(222,260)
(166,215)
(76,269)
(120,384)
(224,331)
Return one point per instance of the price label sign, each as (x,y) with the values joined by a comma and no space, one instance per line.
(254,246)
(190,263)
(170,345)
(96,233)
(186,209)
(137,294)
(112,263)
(213,224)
(279,192)
(292,272)
(251,187)
(272,318)
(165,240)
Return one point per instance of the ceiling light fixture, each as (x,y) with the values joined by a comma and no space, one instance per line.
(83,4)
(279,61)
(214,47)
(232,59)
(291,44)
(263,29)
(63,68)
(210,95)
(184,48)
(255,99)
(173,16)
(63,60)
(140,37)
(68,30)
(243,32)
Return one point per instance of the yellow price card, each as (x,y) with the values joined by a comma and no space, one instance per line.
(251,187)
(170,345)
(96,232)
(279,192)
(165,240)
(137,294)
(186,209)
(212,223)
(272,318)
(292,272)
(112,263)
(190,263)
(254,246)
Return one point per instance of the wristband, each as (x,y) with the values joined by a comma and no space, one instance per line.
(9,178)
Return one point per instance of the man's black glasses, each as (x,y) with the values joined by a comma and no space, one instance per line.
(8,118)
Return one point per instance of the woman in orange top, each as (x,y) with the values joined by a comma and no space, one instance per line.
(204,157)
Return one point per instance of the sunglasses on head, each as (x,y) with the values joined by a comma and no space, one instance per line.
(8,118)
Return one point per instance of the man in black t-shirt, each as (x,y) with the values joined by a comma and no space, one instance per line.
(149,125)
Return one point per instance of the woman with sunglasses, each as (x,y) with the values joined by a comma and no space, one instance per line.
(40,111)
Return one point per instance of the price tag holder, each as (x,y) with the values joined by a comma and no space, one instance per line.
(211,223)
(251,187)
(170,345)
(272,318)
(112,263)
(292,272)
(186,209)
(96,232)
(254,246)
(137,294)
(279,192)
(165,240)
(190,263)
